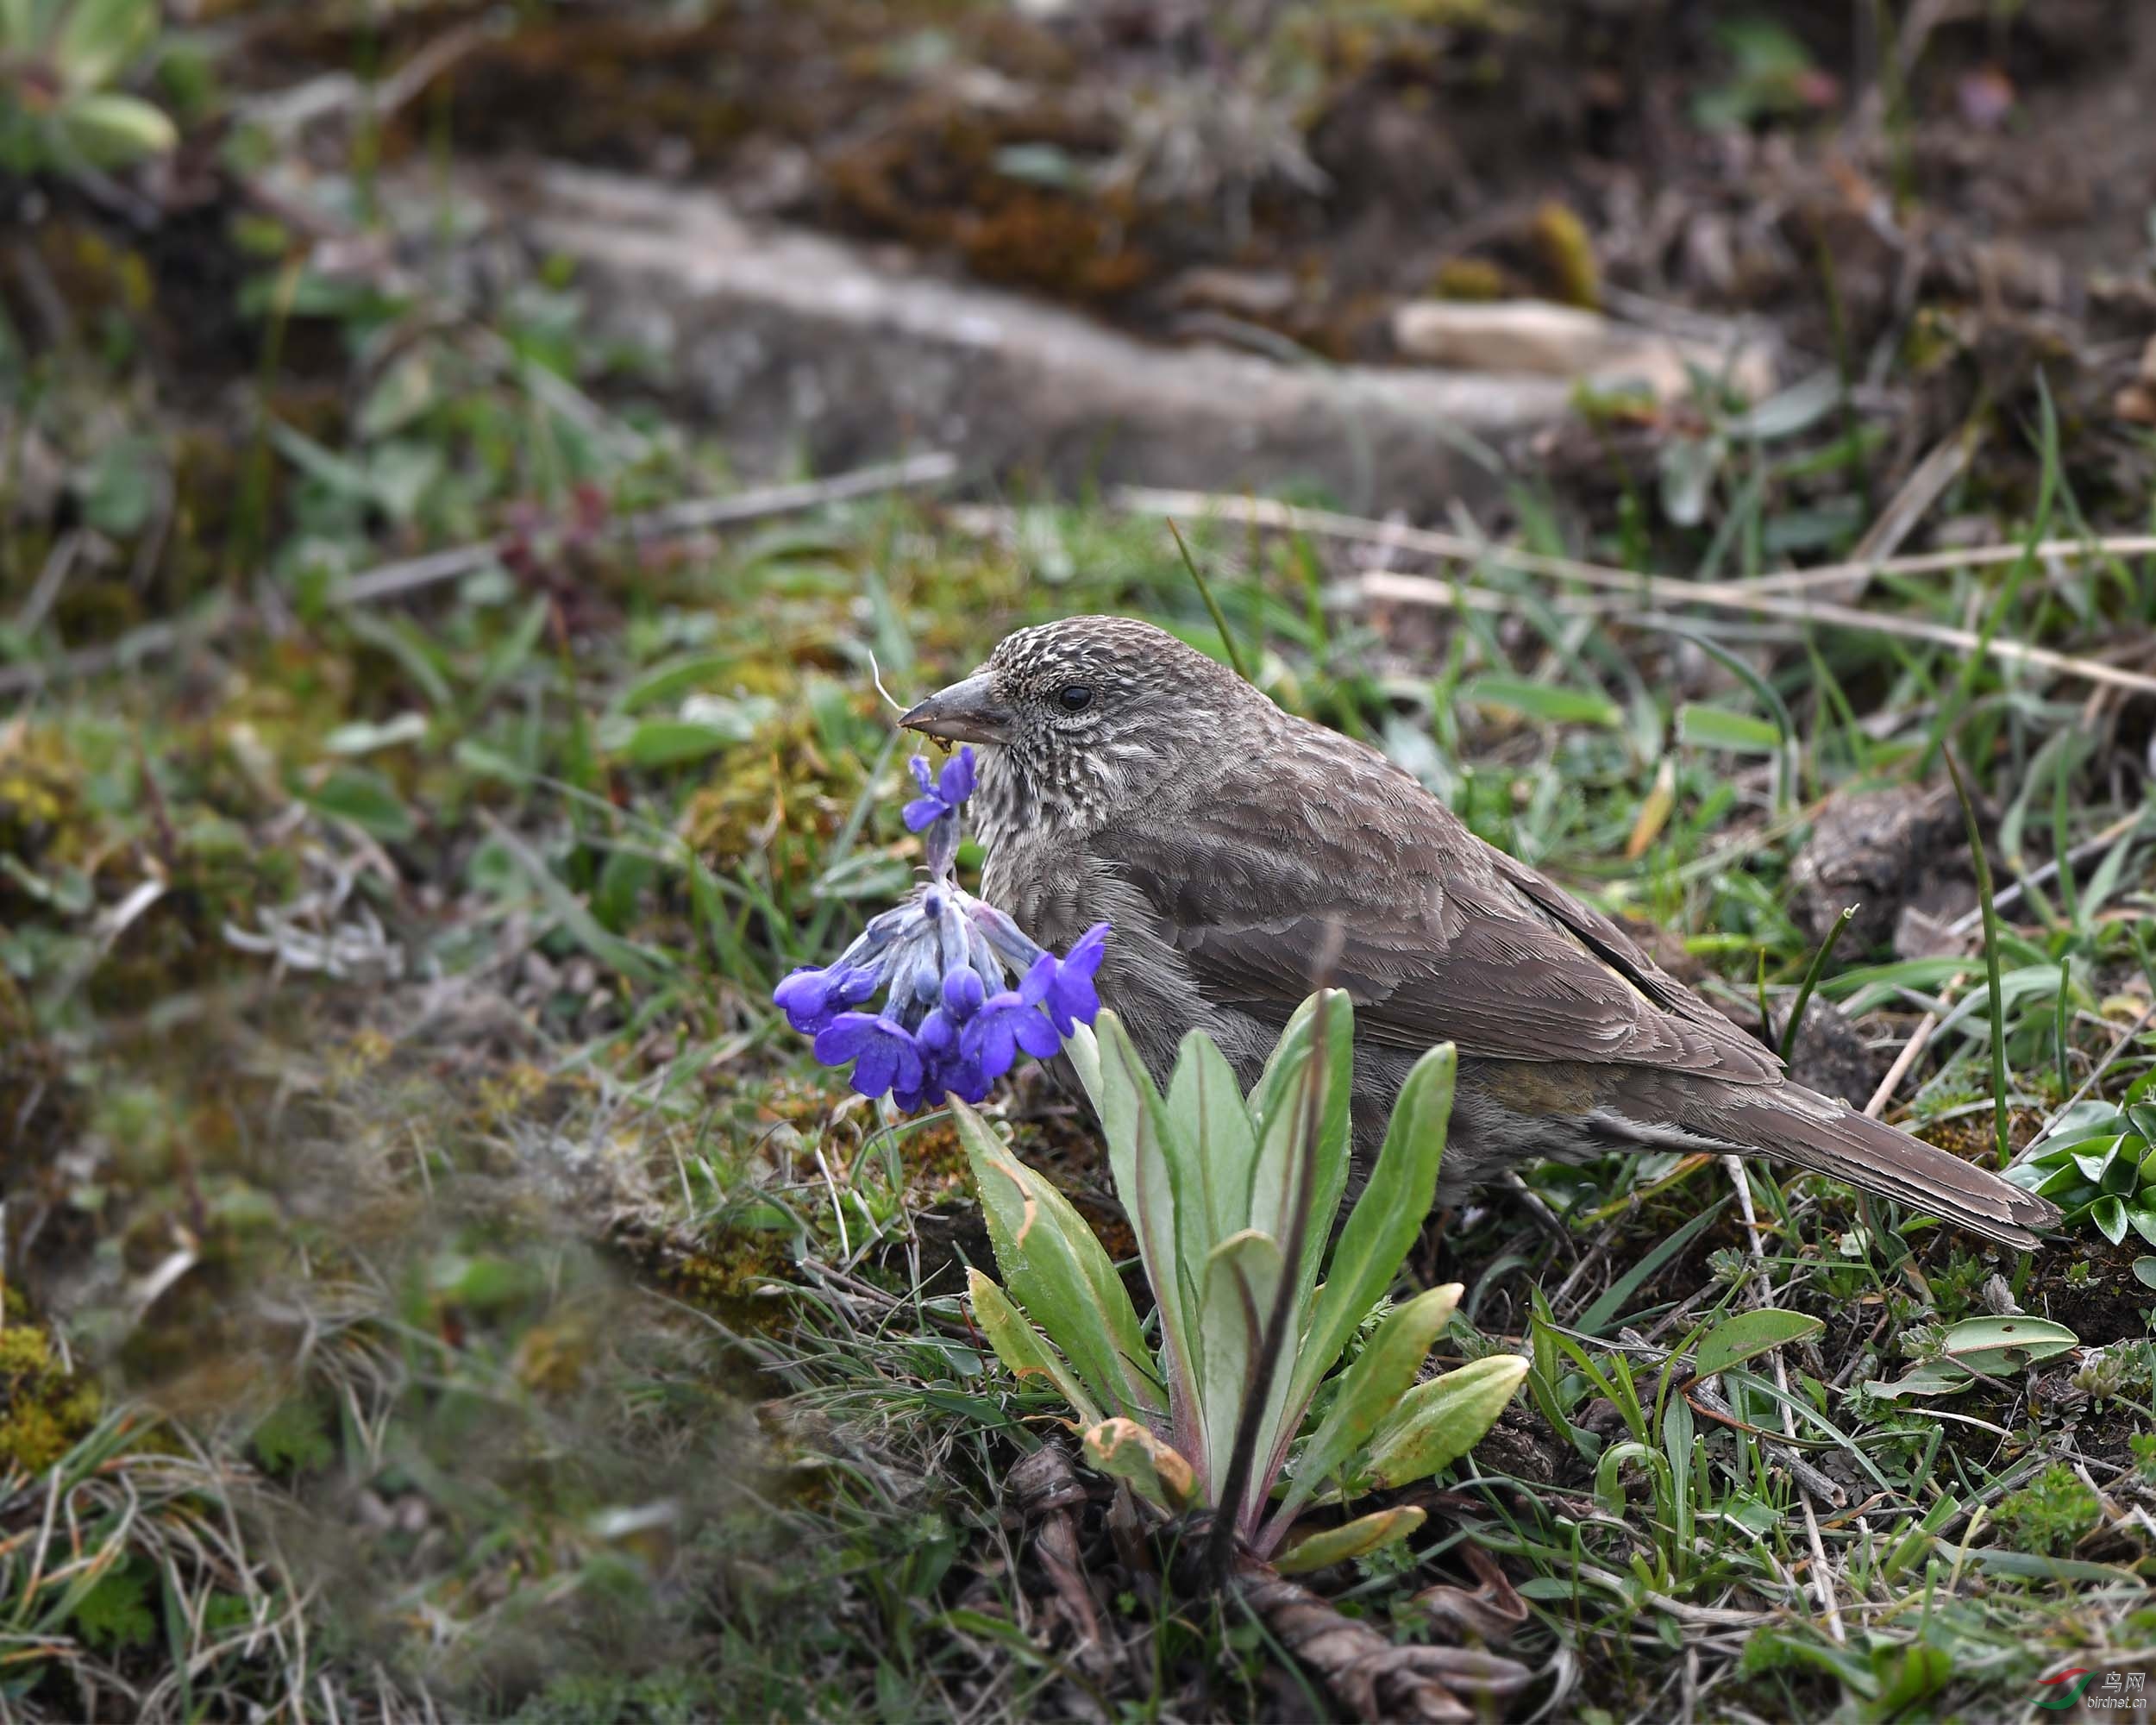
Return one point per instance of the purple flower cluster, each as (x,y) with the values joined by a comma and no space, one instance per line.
(950,1022)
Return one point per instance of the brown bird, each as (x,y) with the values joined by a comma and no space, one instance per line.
(1242,854)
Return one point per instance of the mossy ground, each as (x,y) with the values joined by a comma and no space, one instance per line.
(436,1278)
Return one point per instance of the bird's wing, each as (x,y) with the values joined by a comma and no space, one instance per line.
(1333,865)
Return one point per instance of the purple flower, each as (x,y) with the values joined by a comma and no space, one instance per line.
(942,794)
(949,1067)
(1071,999)
(940,959)
(812,998)
(963,992)
(1013,1020)
(884,1055)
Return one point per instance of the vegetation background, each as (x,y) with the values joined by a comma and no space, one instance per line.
(437,701)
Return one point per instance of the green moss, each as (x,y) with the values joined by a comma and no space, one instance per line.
(1476,280)
(40,804)
(44,1408)
(1567,252)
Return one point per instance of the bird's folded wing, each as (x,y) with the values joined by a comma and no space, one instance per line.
(1436,936)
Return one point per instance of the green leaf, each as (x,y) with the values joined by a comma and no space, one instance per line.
(115,1612)
(1281,1065)
(1242,1280)
(1437,1422)
(1911,1676)
(1717,727)
(1609,1305)
(689,675)
(1355,1539)
(1369,1392)
(1930,1377)
(400,395)
(102,38)
(1057,1274)
(1552,703)
(1996,1347)
(637,963)
(2145,1272)
(1153,1175)
(675,742)
(368,800)
(1084,1049)
(120,486)
(2110,1216)
(1678,1440)
(1021,1347)
(2029,1566)
(2060,1180)
(2096,1162)
(1387,1218)
(1208,1118)
(1285,1156)
(1749,1334)
(1917,1541)
(1125,1450)
(293,1437)
(2075,1125)
(1294,1177)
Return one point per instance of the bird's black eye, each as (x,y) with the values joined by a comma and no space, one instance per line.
(1073,697)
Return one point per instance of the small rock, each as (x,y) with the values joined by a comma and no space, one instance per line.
(1833,1056)
(1876,851)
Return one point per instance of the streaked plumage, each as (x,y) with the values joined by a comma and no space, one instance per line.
(1242,854)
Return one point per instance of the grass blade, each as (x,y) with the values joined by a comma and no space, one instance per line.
(1212,605)
(1811,980)
(1990,957)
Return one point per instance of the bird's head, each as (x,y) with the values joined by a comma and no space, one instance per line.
(1082,718)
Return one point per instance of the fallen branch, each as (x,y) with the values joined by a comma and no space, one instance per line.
(411,575)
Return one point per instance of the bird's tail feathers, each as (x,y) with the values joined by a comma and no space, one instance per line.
(1818,1132)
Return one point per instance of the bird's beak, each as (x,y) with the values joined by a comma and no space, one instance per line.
(969,711)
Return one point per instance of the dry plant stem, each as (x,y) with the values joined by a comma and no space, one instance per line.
(1047,1491)
(1918,1038)
(2014,891)
(1763,1296)
(1761,597)
(1947,460)
(1269,512)
(412,573)
(2117,1048)
(1362,1668)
